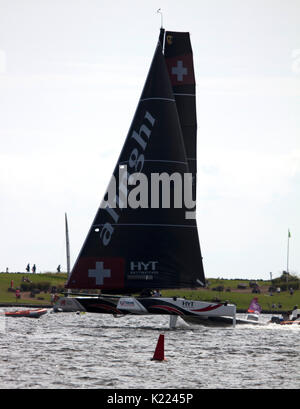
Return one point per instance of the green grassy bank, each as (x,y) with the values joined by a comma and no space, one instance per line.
(36,290)
(241,300)
(242,297)
(41,284)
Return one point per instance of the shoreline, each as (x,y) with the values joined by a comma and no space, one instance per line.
(25,305)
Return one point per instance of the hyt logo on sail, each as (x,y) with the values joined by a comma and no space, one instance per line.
(143,265)
(143,270)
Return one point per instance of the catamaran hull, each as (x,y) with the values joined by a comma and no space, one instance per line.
(208,312)
(208,321)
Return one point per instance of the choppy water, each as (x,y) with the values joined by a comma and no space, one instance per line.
(67,350)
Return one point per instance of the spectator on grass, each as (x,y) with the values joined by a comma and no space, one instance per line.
(18,294)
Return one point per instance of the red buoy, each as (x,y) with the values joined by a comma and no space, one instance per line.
(159,354)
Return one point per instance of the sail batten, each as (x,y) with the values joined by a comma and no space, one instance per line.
(158,160)
(158,98)
(147,224)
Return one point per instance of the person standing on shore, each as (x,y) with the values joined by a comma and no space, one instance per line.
(28,268)
(18,294)
(34,269)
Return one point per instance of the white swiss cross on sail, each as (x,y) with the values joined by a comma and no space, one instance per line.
(179,70)
(99,273)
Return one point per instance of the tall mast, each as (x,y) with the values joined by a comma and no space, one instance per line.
(161,17)
(67,246)
(162,32)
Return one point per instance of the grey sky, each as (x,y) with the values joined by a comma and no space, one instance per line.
(71,73)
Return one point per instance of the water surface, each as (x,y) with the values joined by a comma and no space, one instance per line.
(68,350)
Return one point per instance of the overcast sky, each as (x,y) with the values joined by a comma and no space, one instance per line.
(71,74)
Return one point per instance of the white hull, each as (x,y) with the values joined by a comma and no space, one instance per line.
(201,312)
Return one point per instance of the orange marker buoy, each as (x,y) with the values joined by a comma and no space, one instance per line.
(159,354)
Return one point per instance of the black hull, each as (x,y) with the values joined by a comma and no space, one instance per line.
(100,305)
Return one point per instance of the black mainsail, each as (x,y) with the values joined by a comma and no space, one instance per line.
(150,245)
(179,59)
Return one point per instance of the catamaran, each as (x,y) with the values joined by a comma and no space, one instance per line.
(131,250)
